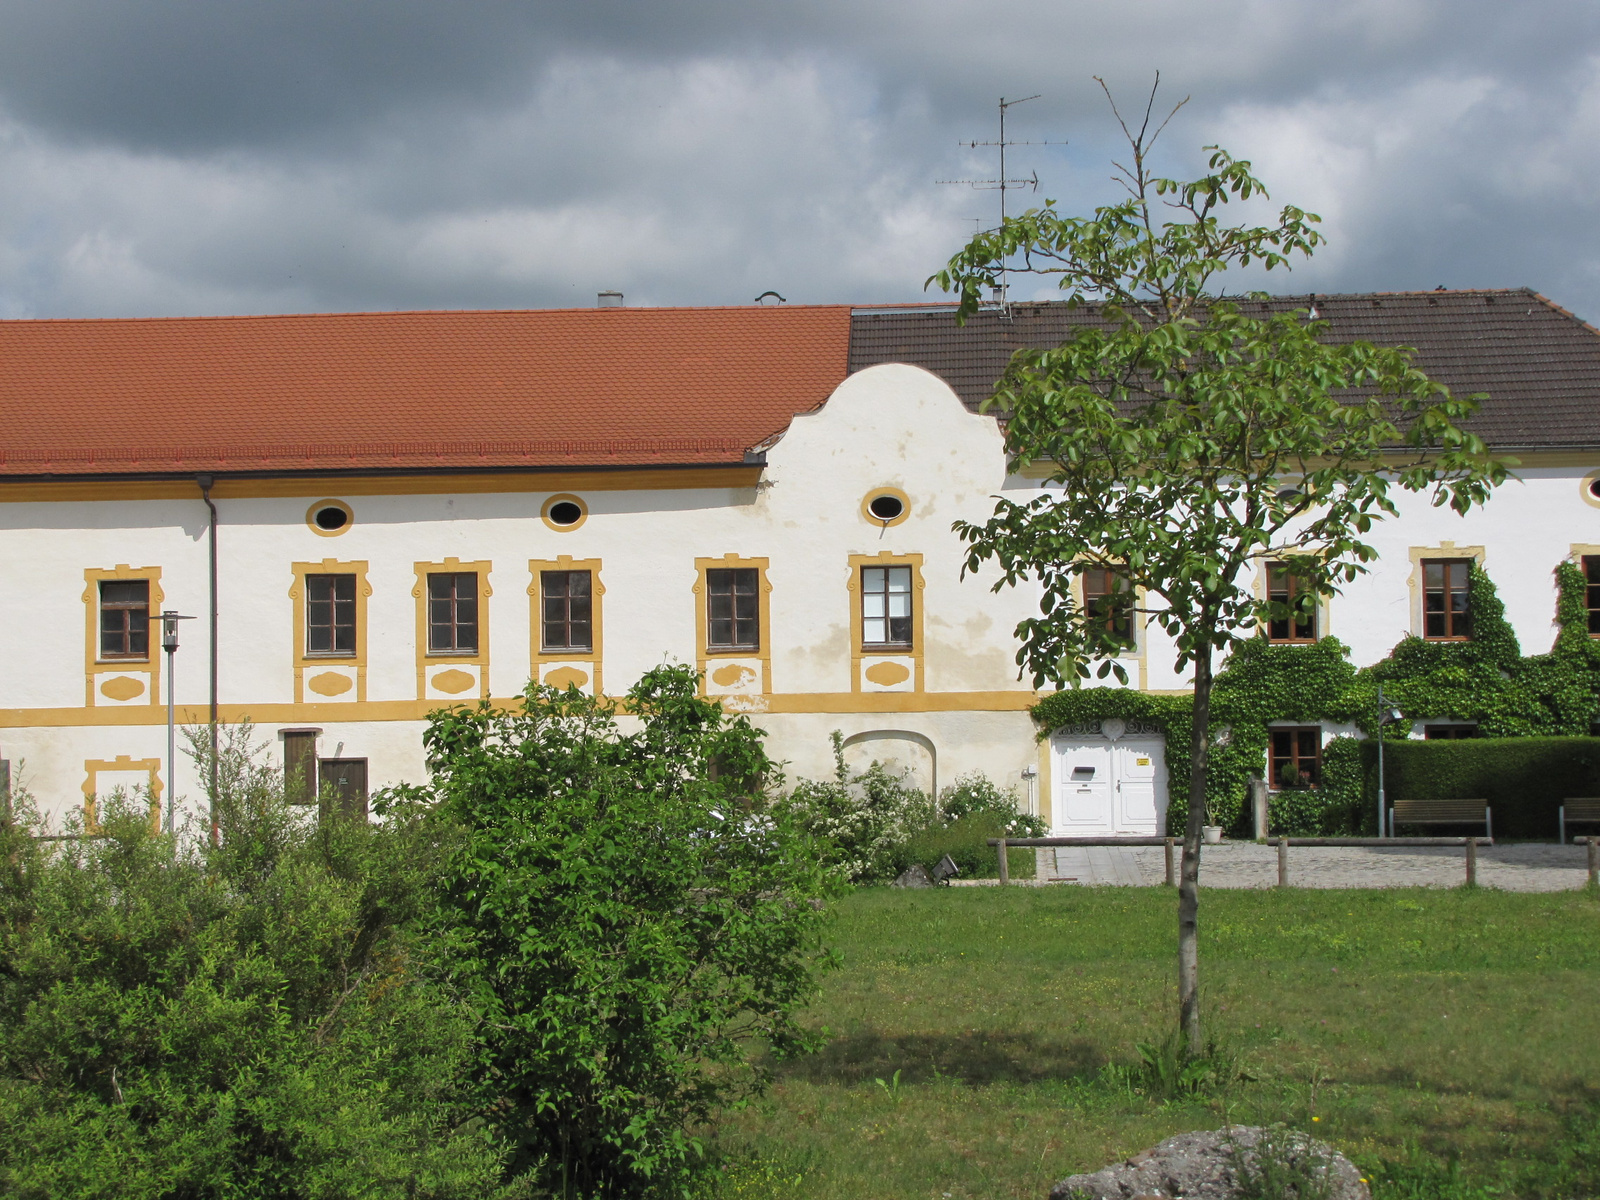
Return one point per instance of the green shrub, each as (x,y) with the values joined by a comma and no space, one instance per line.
(966,841)
(1524,779)
(976,793)
(637,928)
(865,821)
(252,1019)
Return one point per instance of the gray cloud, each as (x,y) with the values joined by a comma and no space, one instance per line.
(182,156)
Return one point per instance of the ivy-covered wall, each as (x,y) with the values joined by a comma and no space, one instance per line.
(1487,680)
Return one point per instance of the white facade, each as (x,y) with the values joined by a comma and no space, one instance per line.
(948,704)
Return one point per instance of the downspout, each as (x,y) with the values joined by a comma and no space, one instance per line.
(205,482)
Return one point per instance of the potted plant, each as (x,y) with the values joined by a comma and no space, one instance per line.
(1211,831)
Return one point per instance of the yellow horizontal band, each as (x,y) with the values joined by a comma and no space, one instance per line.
(644,479)
(417,710)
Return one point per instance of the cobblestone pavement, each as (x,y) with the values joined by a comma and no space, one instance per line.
(1514,868)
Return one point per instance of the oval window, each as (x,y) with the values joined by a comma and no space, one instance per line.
(331,518)
(564,513)
(1594,488)
(886,507)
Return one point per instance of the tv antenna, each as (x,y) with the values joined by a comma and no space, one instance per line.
(1004,183)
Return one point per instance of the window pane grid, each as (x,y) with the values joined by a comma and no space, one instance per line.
(453,612)
(733,608)
(1109,599)
(886,606)
(330,614)
(567,610)
(1284,588)
(1296,758)
(125,618)
(1445,615)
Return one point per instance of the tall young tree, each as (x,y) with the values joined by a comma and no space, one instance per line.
(1180,441)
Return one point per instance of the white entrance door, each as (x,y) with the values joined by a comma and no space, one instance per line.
(1104,787)
(1084,799)
(1141,783)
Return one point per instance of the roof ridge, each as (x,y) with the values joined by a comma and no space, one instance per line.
(428,312)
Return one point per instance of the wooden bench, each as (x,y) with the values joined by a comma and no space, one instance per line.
(1579,810)
(1441,812)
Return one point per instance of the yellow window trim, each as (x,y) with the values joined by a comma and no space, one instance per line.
(91,785)
(427,658)
(763,651)
(92,662)
(300,660)
(538,656)
(858,650)
(1445,549)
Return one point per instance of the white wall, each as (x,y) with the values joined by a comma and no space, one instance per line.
(890,426)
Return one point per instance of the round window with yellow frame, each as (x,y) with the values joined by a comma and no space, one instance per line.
(330,518)
(564,512)
(885,506)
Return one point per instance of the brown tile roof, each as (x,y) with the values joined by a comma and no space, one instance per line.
(367,391)
(1539,365)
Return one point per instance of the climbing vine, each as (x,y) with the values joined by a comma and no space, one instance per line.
(1486,680)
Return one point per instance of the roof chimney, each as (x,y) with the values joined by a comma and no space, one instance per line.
(608,300)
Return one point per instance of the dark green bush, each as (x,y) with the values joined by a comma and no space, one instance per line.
(636,929)
(1524,779)
(255,1019)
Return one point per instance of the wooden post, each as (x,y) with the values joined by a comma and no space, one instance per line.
(1258,807)
(1594,861)
(1005,864)
(1172,874)
(1472,862)
(1283,862)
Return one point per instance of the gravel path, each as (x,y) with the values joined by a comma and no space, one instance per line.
(1513,868)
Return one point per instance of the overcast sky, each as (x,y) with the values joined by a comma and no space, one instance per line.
(199,156)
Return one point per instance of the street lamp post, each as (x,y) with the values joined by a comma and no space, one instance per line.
(169,642)
(1385,715)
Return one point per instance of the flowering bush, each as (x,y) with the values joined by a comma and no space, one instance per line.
(878,825)
(866,819)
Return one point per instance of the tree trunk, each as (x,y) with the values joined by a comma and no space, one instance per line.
(1189,875)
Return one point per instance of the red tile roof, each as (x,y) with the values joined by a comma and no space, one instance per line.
(411,390)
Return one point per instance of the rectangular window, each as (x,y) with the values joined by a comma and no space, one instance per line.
(1109,599)
(1296,758)
(1445,615)
(331,614)
(567,605)
(1284,588)
(345,781)
(300,765)
(886,606)
(733,609)
(1445,733)
(125,618)
(453,612)
(1591,593)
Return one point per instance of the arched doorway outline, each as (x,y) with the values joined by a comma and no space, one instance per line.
(904,735)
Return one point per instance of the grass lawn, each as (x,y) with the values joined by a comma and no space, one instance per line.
(1448,1041)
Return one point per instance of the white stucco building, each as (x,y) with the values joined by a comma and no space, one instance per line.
(418,509)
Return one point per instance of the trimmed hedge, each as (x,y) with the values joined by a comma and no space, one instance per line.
(1524,779)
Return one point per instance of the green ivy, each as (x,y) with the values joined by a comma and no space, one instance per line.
(1486,680)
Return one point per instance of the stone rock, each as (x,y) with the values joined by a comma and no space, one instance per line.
(1207,1166)
(914,876)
